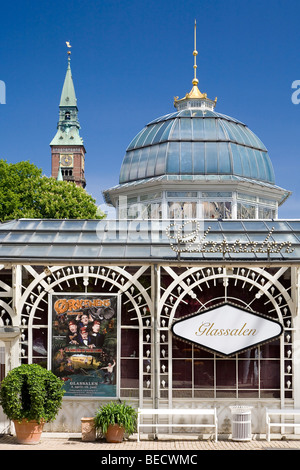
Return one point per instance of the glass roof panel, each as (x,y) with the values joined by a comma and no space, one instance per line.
(165,125)
(185,129)
(256,225)
(198,129)
(232,226)
(210,129)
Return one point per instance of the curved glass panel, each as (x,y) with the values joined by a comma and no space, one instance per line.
(259,143)
(245,161)
(229,131)
(224,158)
(134,165)
(186,165)
(185,129)
(211,155)
(252,162)
(124,174)
(139,142)
(236,160)
(199,157)
(198,129)
(243,132)
(168,131)
(149,135)
(269,167)
(134,141)
(160,167)
(185,113)
(261,165)
(210,129)
(143,163)
(160,131)
(173,158)
(151,161)
(174,135)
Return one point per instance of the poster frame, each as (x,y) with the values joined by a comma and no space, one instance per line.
(118,349)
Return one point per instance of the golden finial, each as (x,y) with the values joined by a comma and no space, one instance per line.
(195,53)
(195,93)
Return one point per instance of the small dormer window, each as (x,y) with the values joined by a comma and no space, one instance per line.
(67,116)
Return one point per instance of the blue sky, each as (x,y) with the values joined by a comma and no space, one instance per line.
(129,60)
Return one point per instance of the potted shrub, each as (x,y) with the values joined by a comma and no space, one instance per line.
(30,396)
(115,419)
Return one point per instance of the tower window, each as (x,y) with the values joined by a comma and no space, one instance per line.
(67,115)
(67,172)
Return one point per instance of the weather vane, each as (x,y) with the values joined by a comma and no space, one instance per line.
(68,46)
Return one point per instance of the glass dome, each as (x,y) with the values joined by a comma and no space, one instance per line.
(196,142)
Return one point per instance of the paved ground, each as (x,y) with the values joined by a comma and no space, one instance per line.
(164,443)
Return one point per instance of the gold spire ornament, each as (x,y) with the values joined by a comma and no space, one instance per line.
(195,93)
(195,53)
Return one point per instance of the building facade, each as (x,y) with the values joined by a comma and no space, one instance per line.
(128,308)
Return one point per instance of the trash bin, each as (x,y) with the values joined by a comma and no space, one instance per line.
(241,423)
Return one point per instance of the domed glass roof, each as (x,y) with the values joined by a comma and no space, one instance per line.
(196,142)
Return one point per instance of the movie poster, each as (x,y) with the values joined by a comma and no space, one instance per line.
(84,344)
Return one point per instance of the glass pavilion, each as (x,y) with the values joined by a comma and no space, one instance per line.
(196,227)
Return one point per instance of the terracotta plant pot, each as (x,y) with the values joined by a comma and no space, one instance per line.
(115,433)
(88,430)
(28,432)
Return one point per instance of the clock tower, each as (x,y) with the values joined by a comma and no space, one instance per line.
(67,149)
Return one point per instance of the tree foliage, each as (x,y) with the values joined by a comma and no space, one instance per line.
(25,193)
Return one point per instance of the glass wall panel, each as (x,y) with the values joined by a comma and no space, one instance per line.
(182,374)
(217,210)
(246,211)
(182,210)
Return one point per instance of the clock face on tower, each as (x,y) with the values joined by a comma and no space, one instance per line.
(66,160)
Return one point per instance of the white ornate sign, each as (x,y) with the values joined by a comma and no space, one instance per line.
(227,329)
(187,237)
